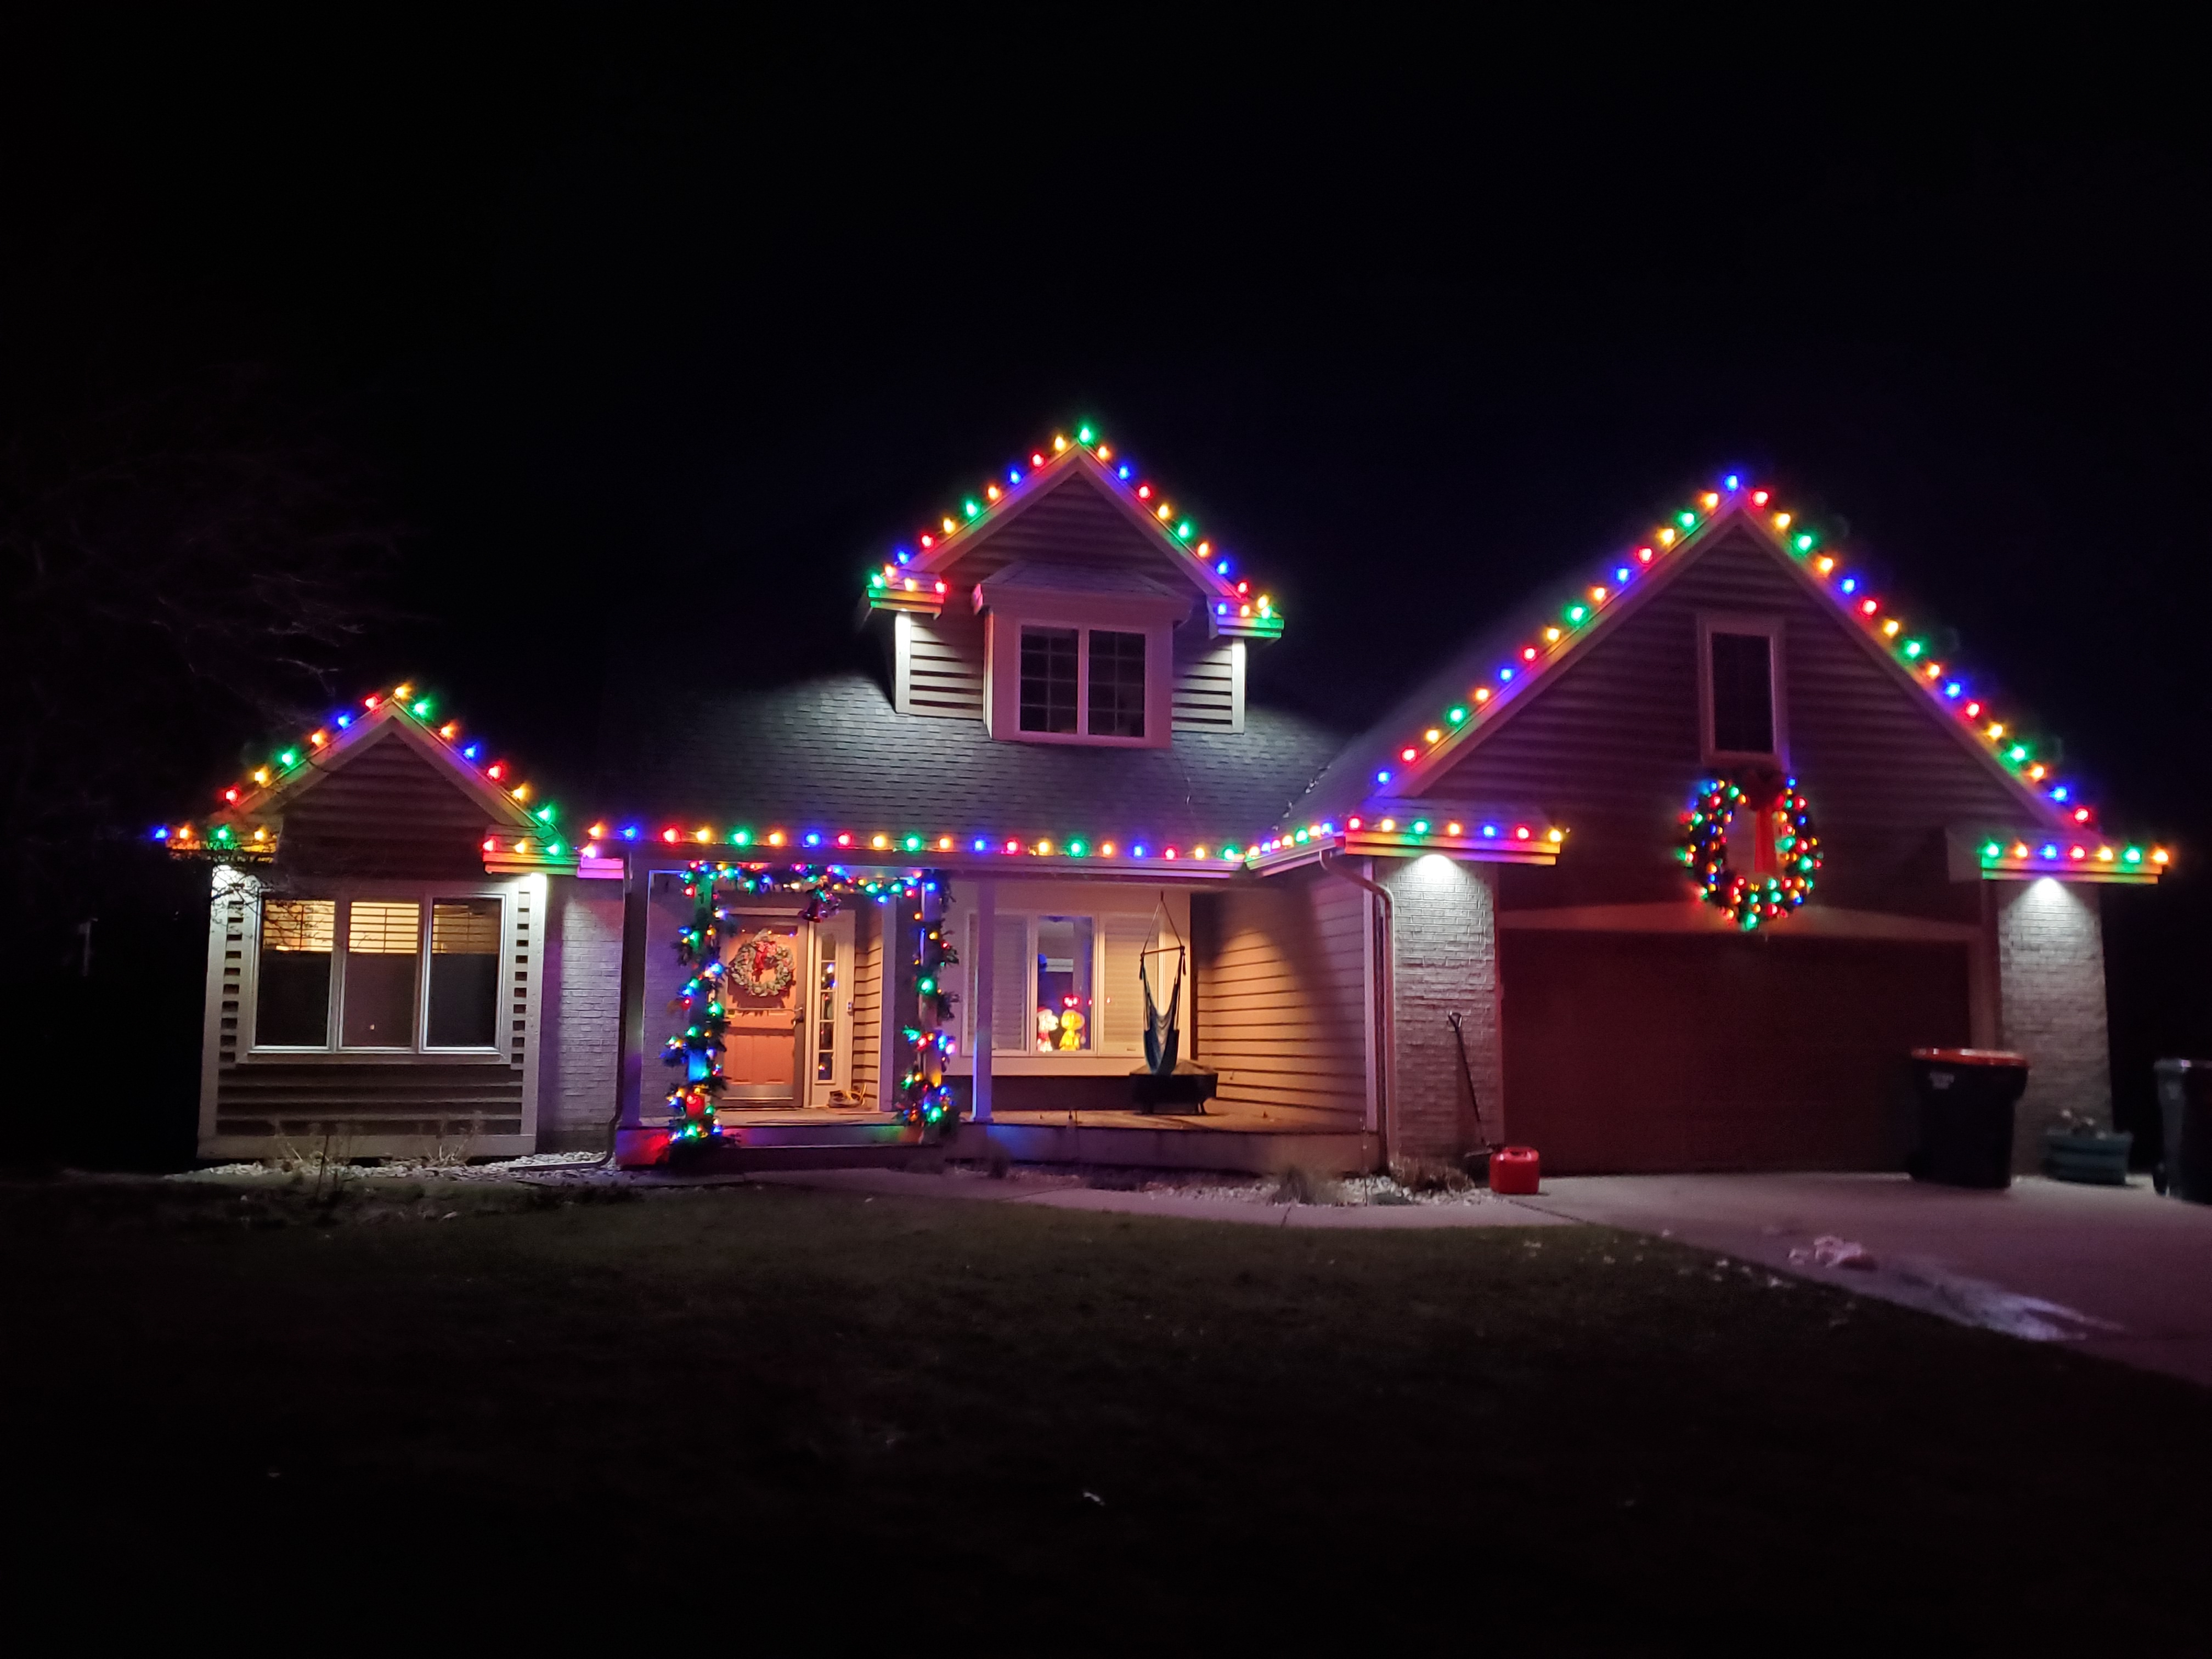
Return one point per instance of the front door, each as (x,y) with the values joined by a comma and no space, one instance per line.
(766,1000)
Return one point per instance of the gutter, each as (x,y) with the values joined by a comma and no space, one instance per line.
(1385,1021)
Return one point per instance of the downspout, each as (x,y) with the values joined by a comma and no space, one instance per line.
(1385,1023)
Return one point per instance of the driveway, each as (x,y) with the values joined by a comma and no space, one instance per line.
(2119,1270)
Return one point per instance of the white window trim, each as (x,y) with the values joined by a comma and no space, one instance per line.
(833,937)
(1002,678)
(1082,734)
(1711,623)
(251,1049)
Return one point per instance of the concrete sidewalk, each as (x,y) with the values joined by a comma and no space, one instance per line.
(1488,1212)
(2126,1273)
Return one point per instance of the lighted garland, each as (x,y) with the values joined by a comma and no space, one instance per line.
(922,1094)
(1760,894)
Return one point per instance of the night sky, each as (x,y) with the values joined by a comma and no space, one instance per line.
(655,344)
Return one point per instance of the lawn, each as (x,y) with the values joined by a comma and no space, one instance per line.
(826,1421)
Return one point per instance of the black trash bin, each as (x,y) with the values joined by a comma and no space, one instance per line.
(2185,1107)
(1967,1097)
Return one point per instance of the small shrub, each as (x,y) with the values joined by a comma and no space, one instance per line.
(1299,1185)
(1429,1174)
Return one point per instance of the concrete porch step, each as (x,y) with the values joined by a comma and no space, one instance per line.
(879,1132)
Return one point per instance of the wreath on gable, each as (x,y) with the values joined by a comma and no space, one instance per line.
(762,966)
(1784,852)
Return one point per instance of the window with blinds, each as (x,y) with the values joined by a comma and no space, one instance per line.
(464,1004)
(384,937)
(292,1000)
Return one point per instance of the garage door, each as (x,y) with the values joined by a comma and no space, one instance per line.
(1639,1052)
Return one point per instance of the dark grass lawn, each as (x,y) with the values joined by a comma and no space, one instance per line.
(812,1421)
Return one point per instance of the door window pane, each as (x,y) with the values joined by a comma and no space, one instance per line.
(1064,1008)
(1743,694)
(1048,679)
(1117,685)
(292,1004)
(825,1017)
(383,939)
(464,973)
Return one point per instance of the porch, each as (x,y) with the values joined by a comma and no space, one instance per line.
(1235,1141)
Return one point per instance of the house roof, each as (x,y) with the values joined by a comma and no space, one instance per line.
(832,756)
(914,577)
(1482,686)
(249,813)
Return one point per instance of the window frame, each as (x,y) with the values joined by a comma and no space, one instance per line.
(1002,696)
(1770,628)
(332,1050)
(1083,733)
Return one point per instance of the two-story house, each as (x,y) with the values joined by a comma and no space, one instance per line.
(1669,871)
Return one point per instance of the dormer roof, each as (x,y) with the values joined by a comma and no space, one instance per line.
(921,575)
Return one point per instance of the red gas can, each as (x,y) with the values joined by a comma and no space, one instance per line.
(1514,1170)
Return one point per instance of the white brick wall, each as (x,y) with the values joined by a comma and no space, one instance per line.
(583,1016)
(1445,959)
(2051,990)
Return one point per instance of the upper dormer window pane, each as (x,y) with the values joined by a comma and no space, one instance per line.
(1117,685)
(1048,679)
(1743,694)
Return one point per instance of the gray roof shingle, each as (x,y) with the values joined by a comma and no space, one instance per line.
(833,754)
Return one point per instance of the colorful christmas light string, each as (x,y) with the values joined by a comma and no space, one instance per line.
(226,834)
(1844,588)
(1235,606)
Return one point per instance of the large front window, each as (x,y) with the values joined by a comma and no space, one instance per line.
(376,993)
(1083,682)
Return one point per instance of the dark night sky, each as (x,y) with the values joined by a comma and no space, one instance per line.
(657,342)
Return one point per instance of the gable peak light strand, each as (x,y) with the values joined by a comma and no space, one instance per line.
(908,579)
(1831,569)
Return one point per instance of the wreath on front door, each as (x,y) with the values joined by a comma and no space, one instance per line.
(762,966)
(1783,850)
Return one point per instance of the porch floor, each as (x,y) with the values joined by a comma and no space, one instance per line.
(1249,1140)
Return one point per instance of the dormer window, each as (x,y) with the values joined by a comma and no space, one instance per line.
(1073,655)
(1052,679)
(1115,663)
(1099,670)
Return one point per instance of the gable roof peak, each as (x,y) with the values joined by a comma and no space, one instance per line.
(1487,684)
(912,580)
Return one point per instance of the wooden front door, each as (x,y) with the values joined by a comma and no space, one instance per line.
(760,1058)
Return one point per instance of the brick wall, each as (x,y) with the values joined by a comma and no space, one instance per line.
(582,1021)
(1445,960)
(2051,990)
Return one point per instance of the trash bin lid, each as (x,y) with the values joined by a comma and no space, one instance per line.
(2181,1065)
(1971,1056)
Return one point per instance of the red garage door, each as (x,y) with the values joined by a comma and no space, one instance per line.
(1644,1052)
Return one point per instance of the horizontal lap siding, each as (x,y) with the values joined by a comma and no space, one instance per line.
(941,671)
(429,1097)
(1281,996)
(1610,747)
(1206,697)
(387,809)
(1072,526)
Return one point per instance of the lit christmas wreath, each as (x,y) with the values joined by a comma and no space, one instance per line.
(761,966)
(1785,854)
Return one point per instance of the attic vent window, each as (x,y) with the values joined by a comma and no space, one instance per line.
(1742,679)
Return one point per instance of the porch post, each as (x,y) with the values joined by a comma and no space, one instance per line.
(979,993)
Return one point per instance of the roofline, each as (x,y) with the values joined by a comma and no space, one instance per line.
(1502,706)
